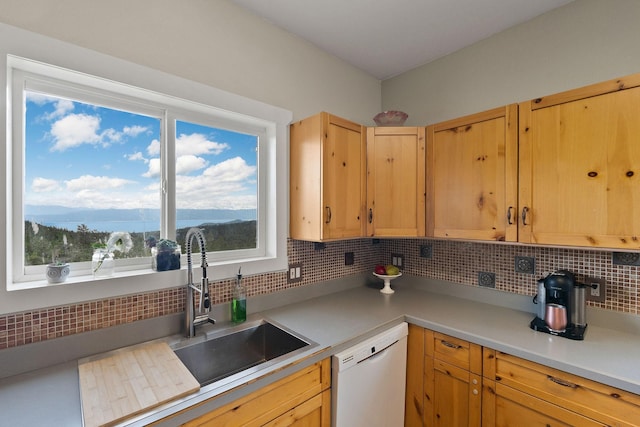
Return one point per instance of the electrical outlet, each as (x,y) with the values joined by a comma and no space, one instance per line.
(426,251)
(397,260)
(596,289)
(348,258)
(294,274)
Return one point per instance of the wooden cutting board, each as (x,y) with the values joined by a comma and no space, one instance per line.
(130,381)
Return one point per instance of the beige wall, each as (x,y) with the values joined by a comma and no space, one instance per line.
(586,41)
(210,41)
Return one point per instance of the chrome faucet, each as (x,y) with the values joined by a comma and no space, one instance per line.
(194,318)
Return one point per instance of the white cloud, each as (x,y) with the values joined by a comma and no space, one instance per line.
(154,148)
(63,106)
(231,170)
(224,185)
(110,136)
(41,185)
(153,170)
(136,156)
(197,144)
(134,130)
(40,98)
(74,130)
(95,183)
(204,201)
(189,163)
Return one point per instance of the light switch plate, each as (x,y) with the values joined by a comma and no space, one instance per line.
(294,273)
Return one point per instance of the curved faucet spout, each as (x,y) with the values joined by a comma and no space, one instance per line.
(197,233)
(203,289)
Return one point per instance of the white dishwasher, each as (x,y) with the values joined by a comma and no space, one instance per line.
(369,381)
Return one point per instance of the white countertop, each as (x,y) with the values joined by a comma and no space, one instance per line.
(50,396)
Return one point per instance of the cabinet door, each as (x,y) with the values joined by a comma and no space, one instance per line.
(344,179)
(414,394)
(457,396)
(580,167)
(396,182)
(327,179)
(472,176)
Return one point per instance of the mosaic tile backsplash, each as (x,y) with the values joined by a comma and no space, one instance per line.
(454,261)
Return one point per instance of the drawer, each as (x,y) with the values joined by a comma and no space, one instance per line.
(457,352)
(605,404)
(512,407)
(271,401)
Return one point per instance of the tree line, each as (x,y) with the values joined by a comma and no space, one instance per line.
(45,244)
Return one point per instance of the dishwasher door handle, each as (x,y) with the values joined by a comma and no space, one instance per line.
(374,356)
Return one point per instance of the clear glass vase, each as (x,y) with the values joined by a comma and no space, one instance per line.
(102,263)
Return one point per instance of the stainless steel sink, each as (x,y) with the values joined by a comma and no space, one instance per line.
(242,351)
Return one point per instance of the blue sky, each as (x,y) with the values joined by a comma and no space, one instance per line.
(85,156)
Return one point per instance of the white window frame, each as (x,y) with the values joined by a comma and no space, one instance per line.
(54,60)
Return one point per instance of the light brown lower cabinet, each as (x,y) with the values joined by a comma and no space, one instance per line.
(518,392)
(444,380)
(302,399)
(414,393)
(452,382)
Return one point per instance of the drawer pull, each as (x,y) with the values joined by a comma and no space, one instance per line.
(450,344)
(562,382)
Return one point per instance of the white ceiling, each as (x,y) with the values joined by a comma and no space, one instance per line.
(387,38)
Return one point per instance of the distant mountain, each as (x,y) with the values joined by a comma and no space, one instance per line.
(51,214)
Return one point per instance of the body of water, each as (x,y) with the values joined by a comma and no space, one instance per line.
(129,226)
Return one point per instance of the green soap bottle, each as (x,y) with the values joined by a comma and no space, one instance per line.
(239,301)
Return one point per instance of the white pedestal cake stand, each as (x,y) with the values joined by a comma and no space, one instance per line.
(387,282)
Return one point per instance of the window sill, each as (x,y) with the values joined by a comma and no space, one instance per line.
(82,279)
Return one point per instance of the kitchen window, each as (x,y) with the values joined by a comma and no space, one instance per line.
(90,156)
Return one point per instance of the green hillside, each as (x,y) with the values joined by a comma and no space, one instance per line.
(42,243)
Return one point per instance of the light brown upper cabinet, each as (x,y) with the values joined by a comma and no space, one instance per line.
(580,167)
(472,176)
(327,179)
(396,181)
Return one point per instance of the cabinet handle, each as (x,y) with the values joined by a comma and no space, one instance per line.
(450,344)
(370,215)
(509,215)
(328,215)
(525,210)
(562,382)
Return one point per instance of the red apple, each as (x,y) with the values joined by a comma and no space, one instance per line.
(380,269)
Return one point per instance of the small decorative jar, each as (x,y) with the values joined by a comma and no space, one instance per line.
(58,273)
(165,257)
(102,263)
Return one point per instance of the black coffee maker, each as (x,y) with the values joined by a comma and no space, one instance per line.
(561,306)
